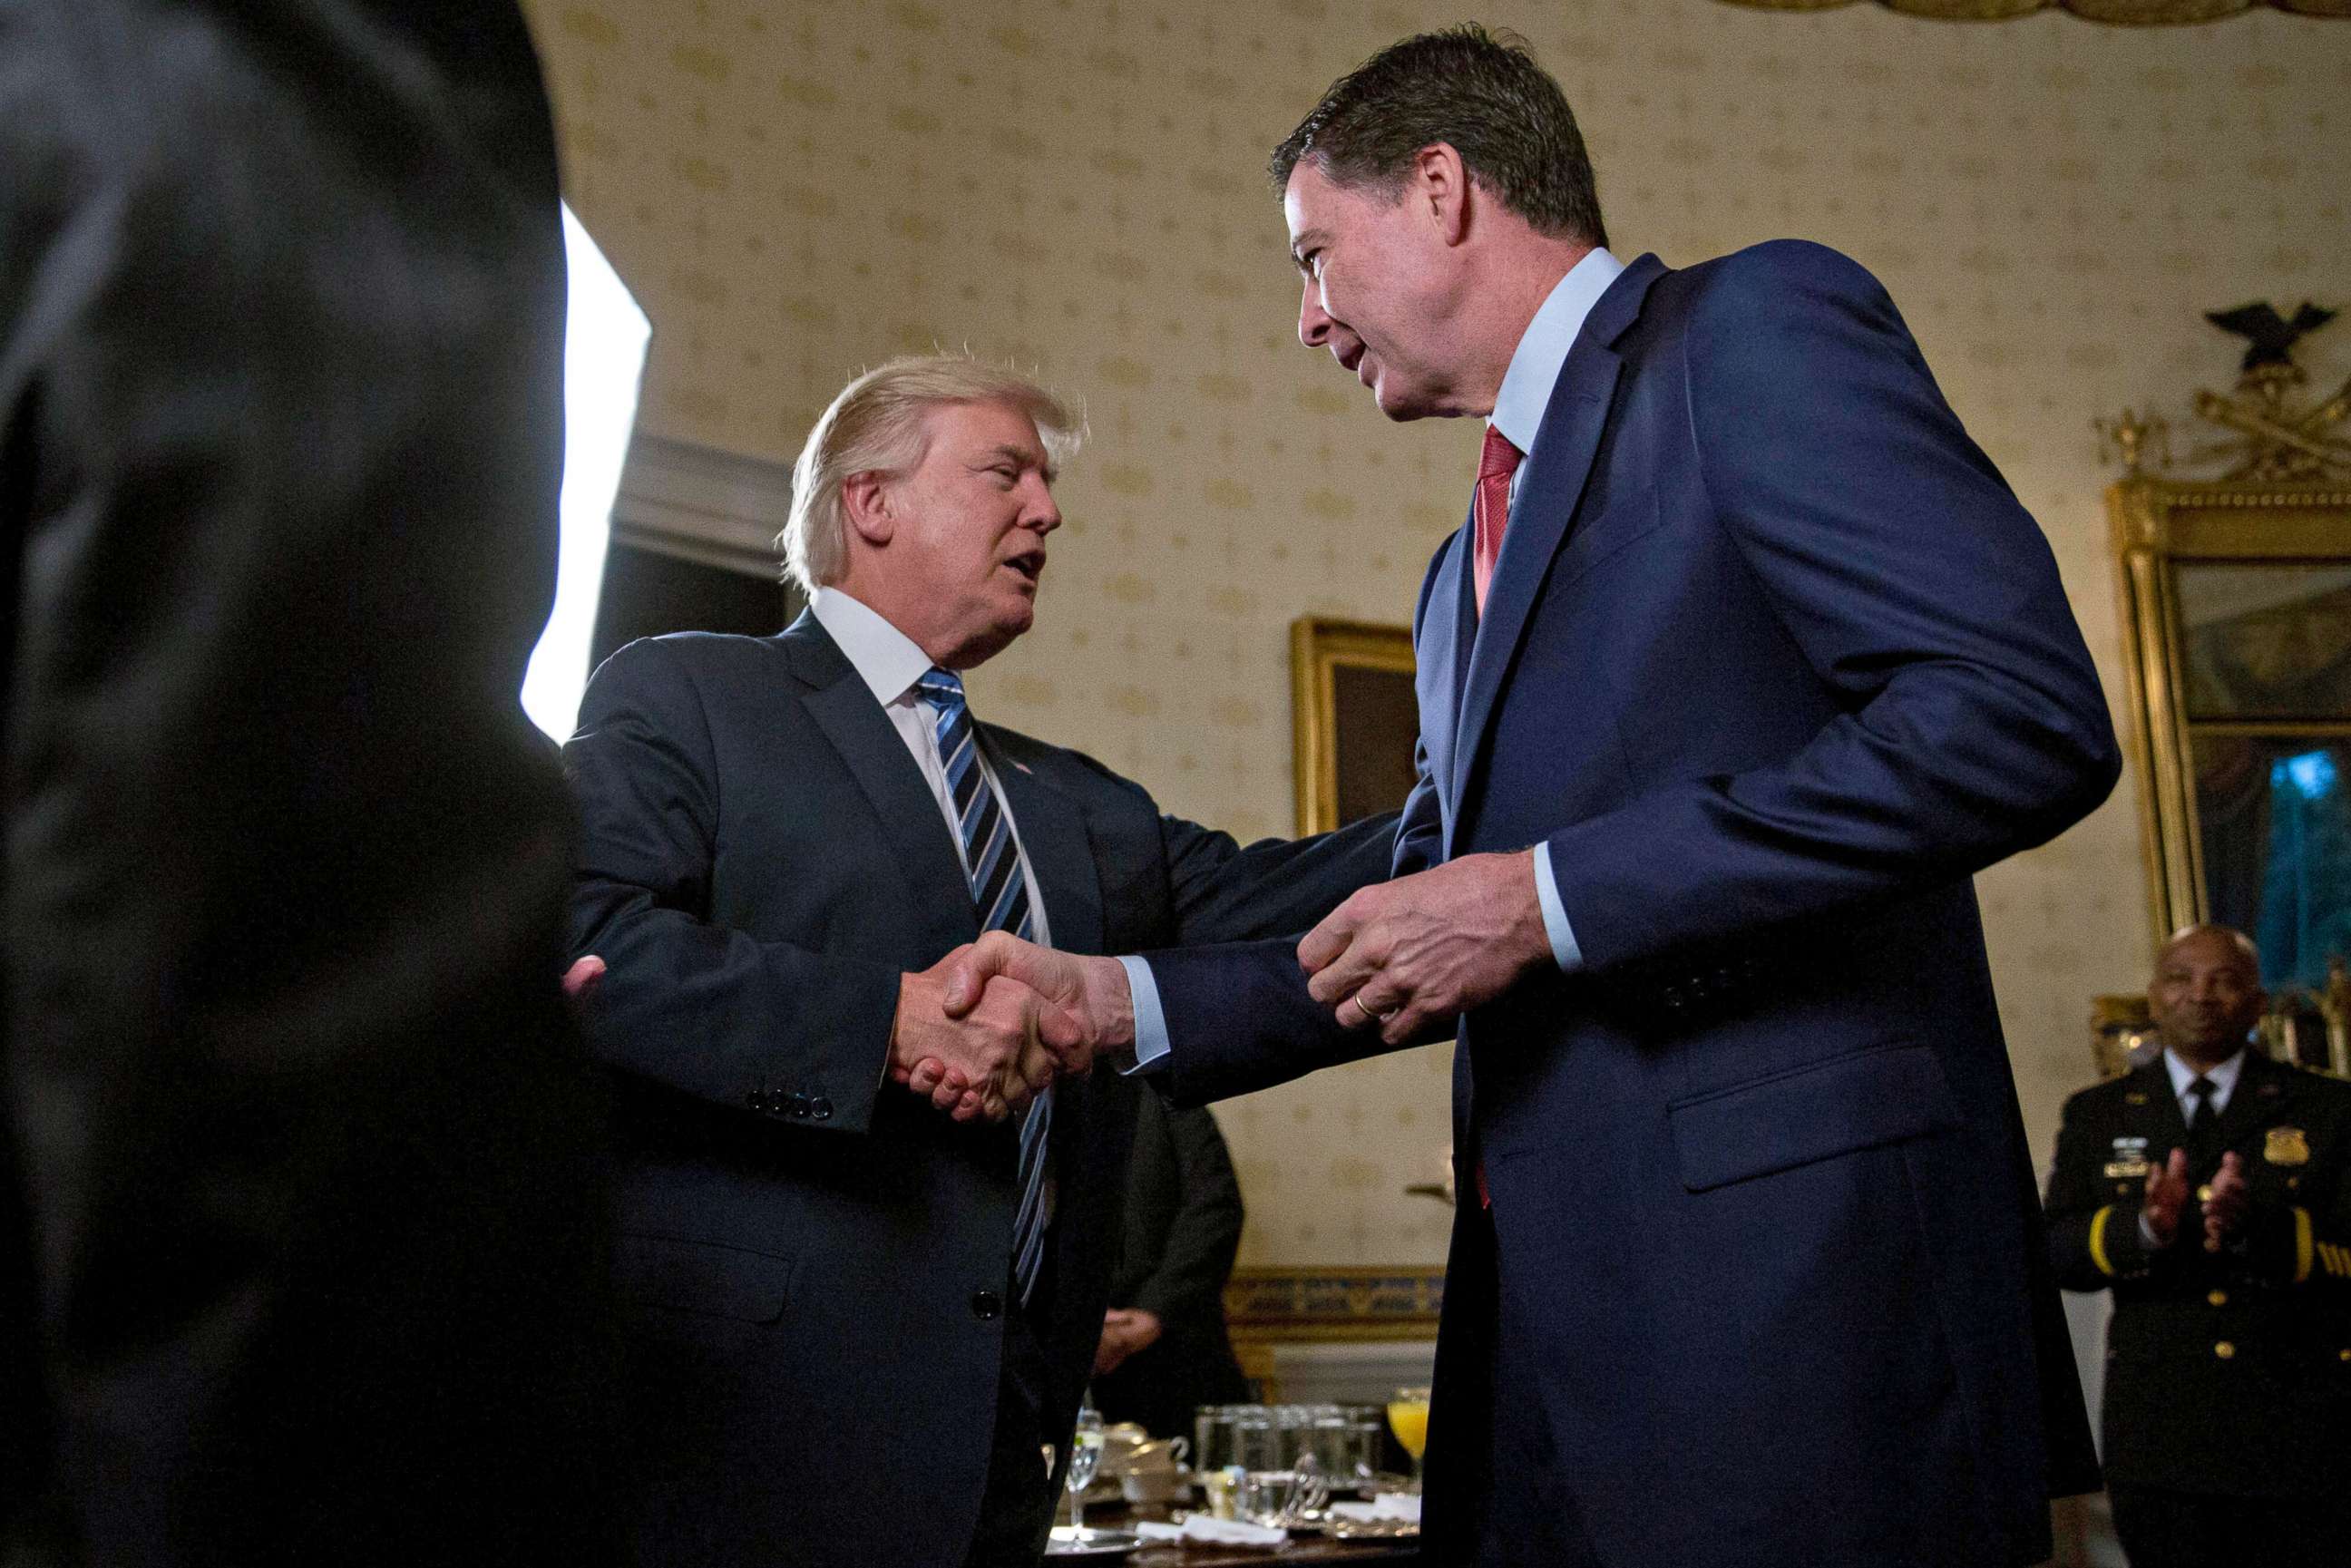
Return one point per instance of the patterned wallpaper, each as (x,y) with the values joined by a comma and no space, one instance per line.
(798,188)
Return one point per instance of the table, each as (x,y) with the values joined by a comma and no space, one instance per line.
(1310,1549)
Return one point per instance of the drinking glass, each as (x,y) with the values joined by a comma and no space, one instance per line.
(1257,1440)
(1408,1419)
(1085,1455)
(1280,1497)
(1212,1437)
(1365,1424)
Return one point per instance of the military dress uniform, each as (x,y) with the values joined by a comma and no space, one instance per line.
(2228,1394)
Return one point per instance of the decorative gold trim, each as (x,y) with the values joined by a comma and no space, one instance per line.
(2155,525)
(1318,646)
(1326,1305)
(2119,13)
(2098,1240)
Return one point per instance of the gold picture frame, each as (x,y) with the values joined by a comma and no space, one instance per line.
(2164,533)
(1354,719)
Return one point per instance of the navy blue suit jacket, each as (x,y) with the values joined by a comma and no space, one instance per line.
(817,1262)
(1772,662)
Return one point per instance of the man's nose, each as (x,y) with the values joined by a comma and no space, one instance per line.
(1042,513)
(1313,321)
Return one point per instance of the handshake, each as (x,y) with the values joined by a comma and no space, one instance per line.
(989,1027)
(983,1032)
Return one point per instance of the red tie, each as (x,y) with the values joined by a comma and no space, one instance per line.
(1496,464)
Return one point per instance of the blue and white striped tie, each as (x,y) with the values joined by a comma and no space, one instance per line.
(999,896)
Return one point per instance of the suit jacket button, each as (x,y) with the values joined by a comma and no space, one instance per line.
(757,1098)
(2219,1298)
(987,1305)
(799,1105)
(2224,1350)
(820,1109)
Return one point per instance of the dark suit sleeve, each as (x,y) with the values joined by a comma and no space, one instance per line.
(1972,724)
(1238,1012)
(1238,1015)
(2306,1245)
(1204,1234)
(704,1008)
(1225,893)
(2094,1237)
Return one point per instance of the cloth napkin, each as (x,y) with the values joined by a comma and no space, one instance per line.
(1210,1529)
(1387,1505)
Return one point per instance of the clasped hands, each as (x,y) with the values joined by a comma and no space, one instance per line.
(982,1036)
(987,1028)
(2224,1202)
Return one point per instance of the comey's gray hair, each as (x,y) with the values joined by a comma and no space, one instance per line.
(879,423)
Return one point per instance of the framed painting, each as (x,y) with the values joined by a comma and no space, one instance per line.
(1355,717)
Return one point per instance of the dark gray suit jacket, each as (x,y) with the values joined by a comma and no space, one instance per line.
(818,1260)
(300,1257)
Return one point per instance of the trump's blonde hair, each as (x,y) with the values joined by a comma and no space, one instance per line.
(881,423)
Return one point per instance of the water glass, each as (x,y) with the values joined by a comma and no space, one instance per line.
(1212,1437)
(1279,1497)
(1256,1439)
(1085,1457)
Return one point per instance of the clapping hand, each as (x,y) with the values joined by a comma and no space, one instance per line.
(2225,1203)
(1420,949)
(2166,1195)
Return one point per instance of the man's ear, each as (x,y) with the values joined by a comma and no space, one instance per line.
(865,496)
(1439,182)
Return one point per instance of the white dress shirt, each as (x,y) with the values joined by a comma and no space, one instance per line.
(2223,1079)
(890,663)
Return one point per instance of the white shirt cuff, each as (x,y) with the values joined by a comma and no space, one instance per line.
(1151,1043)
(1554,914)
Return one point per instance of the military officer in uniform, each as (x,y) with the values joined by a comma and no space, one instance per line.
(2210,1190)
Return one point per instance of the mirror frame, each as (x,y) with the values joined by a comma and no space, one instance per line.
(2158,525)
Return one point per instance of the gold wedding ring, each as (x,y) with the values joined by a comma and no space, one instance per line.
(1369,1016)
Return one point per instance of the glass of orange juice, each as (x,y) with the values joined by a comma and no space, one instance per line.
(1408,1419)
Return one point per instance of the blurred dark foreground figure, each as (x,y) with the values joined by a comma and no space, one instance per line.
(300,1224)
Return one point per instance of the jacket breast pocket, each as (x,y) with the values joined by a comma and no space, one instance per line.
(705,1278)
(1879,1095)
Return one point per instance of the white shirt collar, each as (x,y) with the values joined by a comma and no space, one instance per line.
(2223,1077)
(1542,350)
(887,660)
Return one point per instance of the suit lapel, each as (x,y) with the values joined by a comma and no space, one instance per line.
(1053,828)
(1547,502)
(869,744)
(1441,662)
